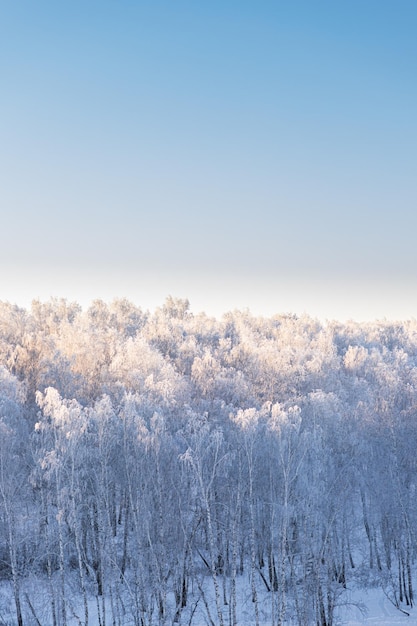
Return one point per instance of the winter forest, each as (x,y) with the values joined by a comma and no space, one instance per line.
(172,468)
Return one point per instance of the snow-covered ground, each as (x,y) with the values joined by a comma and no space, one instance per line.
(363,608)
(377,610)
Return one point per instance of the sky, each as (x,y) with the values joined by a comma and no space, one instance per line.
(240,154)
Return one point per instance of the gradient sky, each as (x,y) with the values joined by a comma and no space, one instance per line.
(238,153)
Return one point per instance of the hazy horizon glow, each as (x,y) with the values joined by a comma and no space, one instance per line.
(241,156)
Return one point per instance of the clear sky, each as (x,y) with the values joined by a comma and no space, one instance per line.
(240,153)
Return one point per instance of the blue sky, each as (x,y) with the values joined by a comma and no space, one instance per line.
(241,154)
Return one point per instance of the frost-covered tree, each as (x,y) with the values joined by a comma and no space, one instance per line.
(153,463)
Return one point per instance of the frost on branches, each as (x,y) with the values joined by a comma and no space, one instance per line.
(173,468)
